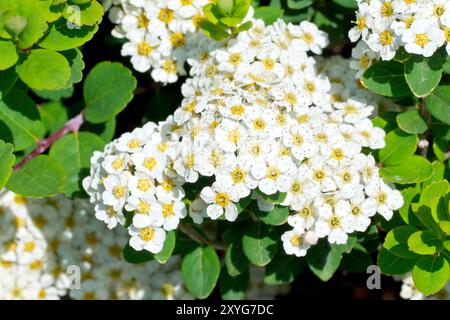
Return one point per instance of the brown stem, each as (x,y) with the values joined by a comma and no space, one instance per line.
(73,125)
(194,235)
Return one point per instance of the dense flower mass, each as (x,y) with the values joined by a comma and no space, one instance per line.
(419,26)
(260,118)
(51,248)
(159,34)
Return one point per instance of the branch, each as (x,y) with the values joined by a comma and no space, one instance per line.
(194,235)
(73,125)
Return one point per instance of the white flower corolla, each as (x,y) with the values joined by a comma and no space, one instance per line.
(294,243)
(420,27)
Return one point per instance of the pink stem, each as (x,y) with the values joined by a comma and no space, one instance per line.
(73,125)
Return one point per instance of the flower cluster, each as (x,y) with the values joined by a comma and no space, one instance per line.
(135,173)
(51,248)
(420,26)
(261,120)
(158,33)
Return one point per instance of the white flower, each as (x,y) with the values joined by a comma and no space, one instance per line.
(386,198)
(116,190)
(423,38)
(335,222)
(293,243)
(149,238)
(274,175)
(220,199)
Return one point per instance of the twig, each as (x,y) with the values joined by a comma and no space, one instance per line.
(73,125)
(194,235)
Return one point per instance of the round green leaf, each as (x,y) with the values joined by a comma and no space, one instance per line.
(61,38)
(350,4)
(89,13)
(396,241)
(74,152)
(260,243)
(40,177)
(399,147)
(276,217)
(200,269)
(430,274)
(169,244)
(386,78)
(107,90)
(235,260)
(323,260)
(8,53)
(6,162)
(233,288)
(45,70)
(438,103)
(268,14)
(423,242)
(411,122)
(283,269)
(413,169)
(19,120)
(423,74)
(392,264)
(136,257)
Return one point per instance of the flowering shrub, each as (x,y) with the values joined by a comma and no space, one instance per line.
(258,143)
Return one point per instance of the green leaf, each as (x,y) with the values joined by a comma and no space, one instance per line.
(445,226)
(409,195)
(169,244)
(104,130)
(276,217)
(440,147)
(44,70)
(233,288)
(55,95)
(438,173)
(260,243)
(213,31)
(7,159)
(61,38)
(396,242)
(90,14)
(386,78)
(434,191)
(349,4)
(430,274)
(8,79)
(19,120)
(226,6)
(53,115)
(423,74)
(107,90)
(425,216)
(283,269)
(423,242)
(356,261)
(324,260)
(235,260)
(136,257)
(438,103)
(243,27)
(74,152)
(299,4)
(391,264)
(399,147)
(411,122)
(275,198)
(268,14)
(76,62)
(200,269)
(8,53)
(413,169)
(40,177)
